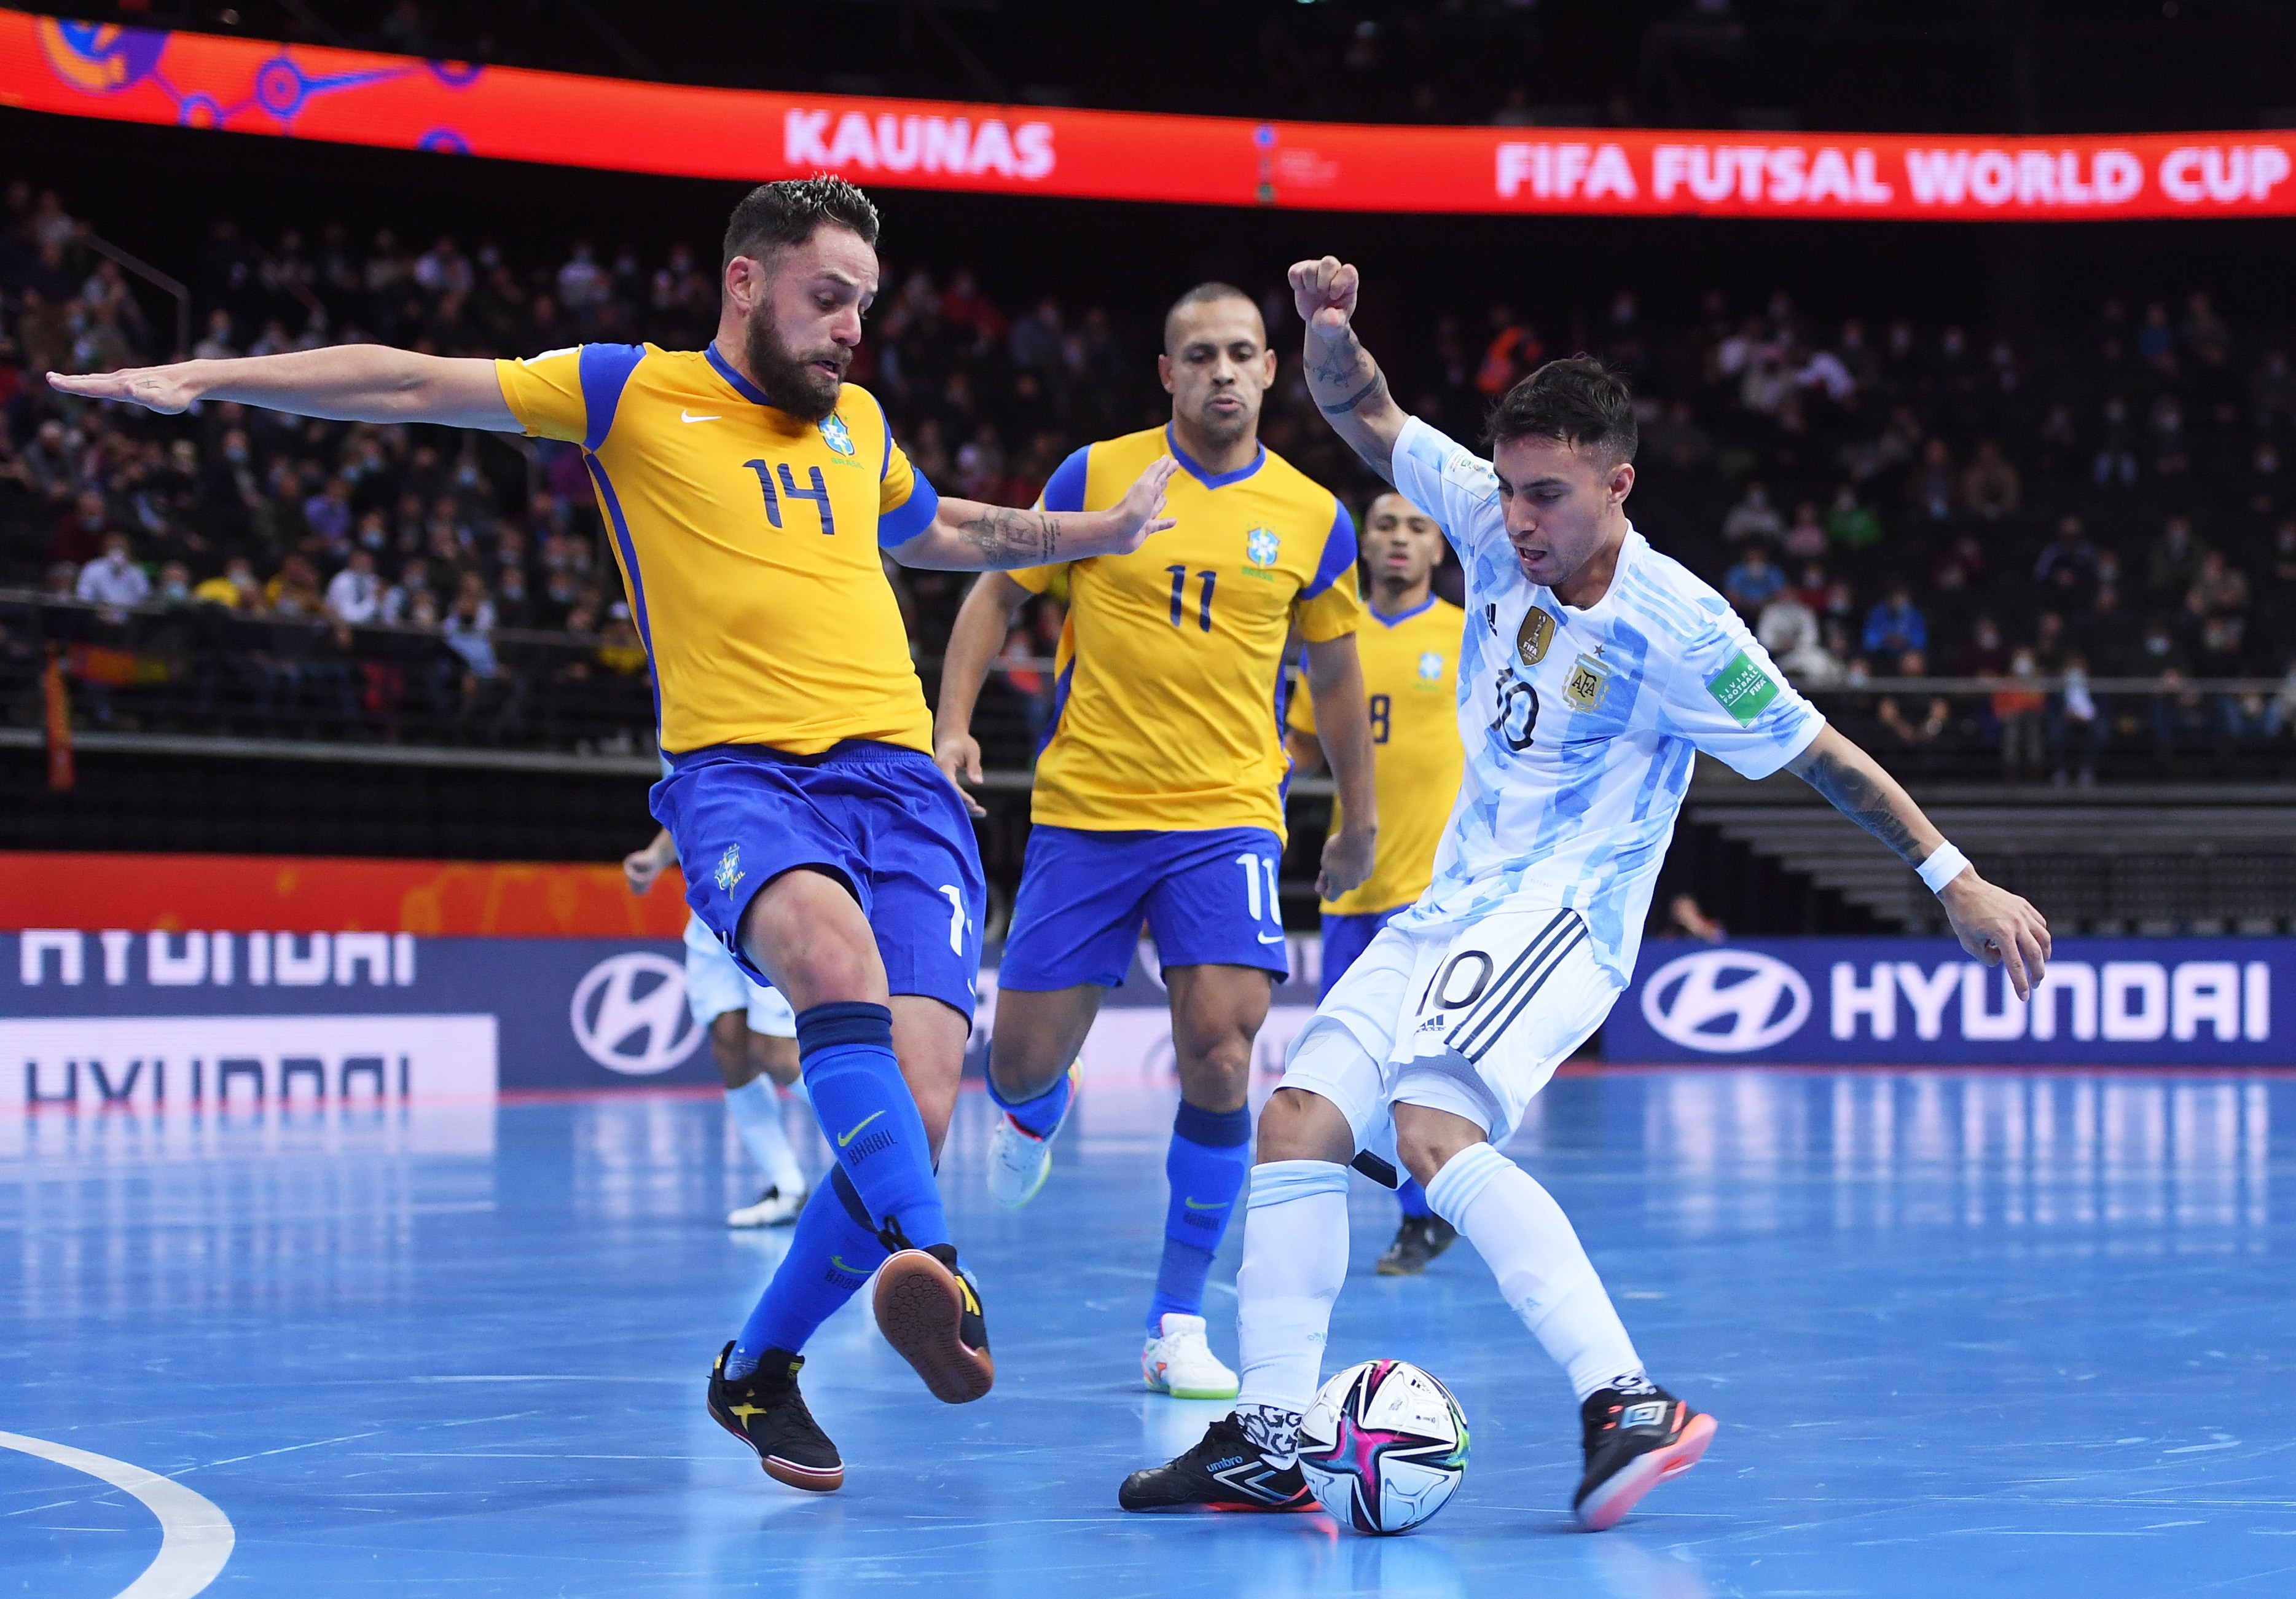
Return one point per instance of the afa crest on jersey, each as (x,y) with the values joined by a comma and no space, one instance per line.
(1589,681)
(836,435)
(1261,547)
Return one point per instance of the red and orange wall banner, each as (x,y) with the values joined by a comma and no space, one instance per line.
(258,893)
(357,97)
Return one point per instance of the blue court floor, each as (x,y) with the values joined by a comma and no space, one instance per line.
(1966,1334)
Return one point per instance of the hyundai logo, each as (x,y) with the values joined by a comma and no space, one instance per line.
(1725,1001)
(630,1016)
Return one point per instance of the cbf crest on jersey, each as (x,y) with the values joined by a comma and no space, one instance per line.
(1431,667)
(1589,681)
(1532,639)
(836,435)
(1261,547)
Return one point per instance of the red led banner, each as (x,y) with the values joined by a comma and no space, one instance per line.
(355,97)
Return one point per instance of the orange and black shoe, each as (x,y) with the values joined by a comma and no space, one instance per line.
(765,1412)
(1635,1441)
(1236,1467)
(929,1309)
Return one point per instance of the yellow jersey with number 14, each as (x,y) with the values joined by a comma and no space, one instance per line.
(1169,694)
(1411,685)
(748,542)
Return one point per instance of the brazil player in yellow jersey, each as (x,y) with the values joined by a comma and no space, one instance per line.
(750,491)
(1158,791)
(1409,649)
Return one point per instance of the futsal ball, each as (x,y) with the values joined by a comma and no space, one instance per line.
(1383,1446)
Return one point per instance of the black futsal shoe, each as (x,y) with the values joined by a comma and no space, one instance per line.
(1635,1441)
(1227,1471)
(765,1412)
(929,1309)
(1418,1241)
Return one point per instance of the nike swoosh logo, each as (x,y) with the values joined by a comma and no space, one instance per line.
(1207,1205)
(1271,938)
(685,415)
(857,1125)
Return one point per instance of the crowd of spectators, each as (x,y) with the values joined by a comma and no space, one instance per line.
(2026,519)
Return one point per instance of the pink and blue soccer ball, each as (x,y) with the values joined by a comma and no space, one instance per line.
(1384,1446)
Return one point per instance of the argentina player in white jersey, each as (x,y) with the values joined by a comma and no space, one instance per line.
(1593,671)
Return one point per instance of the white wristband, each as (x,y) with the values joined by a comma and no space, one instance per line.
(1945,864)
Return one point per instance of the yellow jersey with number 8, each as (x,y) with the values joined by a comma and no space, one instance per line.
(1411,686)
(1168,707)
(748,542)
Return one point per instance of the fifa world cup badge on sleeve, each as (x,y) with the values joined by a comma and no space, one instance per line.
(1742,689)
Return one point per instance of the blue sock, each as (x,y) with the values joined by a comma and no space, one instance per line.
(831,1254)
(1209,1162)
(845,1049)
(1039,1116)
(1413,1198)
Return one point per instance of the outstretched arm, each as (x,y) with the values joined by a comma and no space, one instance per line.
(1992,924)
(965,535)
(344,382)
(1349,387)
(982,622)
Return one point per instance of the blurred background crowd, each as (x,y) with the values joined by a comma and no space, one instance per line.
(2052,550)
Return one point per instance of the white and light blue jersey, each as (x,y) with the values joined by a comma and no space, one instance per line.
(1581,726)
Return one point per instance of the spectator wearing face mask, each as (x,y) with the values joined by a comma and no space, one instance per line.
(113,580)
(355,593)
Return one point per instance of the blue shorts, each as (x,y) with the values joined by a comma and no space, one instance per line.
(878,816)
(1347,937)
(1209,897)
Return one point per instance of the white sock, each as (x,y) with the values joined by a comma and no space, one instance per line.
(756,1113)
(1542,1268)
(1295,1257)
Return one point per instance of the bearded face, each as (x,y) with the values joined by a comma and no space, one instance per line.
(805,383)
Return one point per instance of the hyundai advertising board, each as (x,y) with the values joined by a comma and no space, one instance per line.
(1901,1002)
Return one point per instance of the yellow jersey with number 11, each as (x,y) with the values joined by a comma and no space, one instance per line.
(1411,686)
(748,542)
(1169,692)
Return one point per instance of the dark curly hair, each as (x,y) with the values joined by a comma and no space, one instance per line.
(775,216)
(1578,401)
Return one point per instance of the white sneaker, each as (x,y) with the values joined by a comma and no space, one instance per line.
(1178,1362)
(1019,1161)
(774,1208)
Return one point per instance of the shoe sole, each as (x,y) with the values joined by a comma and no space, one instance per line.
(1397,1269)
(1608,1505)
(813,1480)
(1221,1508)
(918,1304)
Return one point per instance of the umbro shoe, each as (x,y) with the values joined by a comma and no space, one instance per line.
(772,1209)
(1237,1466)
(1418,1241)
(929,1309)
(1176,1360)
(1635,1441)
(765,1412)
(1019,1161)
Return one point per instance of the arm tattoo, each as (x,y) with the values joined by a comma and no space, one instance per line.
(1377,387)
(1013,537)
(1857,796)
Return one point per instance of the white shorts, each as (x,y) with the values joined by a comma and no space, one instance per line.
(1469,1016)
(715,985)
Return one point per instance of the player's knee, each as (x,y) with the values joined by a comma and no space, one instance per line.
(1298,1126)
(773,1057)
(1426,1147)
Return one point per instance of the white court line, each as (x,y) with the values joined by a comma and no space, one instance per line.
(195,1537)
